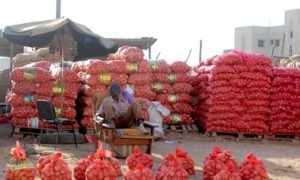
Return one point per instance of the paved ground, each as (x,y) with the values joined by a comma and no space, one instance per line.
(282,159)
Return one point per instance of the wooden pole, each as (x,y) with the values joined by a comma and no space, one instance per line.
(200,51)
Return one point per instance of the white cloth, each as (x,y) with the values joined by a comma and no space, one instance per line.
(156,112)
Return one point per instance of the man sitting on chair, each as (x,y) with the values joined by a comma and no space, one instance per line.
(119,111)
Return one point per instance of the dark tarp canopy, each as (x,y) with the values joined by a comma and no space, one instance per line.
(36,34)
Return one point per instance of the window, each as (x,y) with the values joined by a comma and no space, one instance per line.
(260,43)
(291,34)
(271,42)
(277,42)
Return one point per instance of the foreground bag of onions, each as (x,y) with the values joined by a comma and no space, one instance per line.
(229,172)
(56,169)
(171,169)
(253,168)
(185,161)
(139,157)
(212,164)
(82,165)
(106,156)
(140,173)
(19,167)
(100,170)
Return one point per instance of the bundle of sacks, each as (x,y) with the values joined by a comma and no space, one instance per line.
(172,88)
(44,81)
(220,165)
(285,113)
(237,93)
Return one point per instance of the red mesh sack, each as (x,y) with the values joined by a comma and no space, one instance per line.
(107,157)
(42,162)
(140,67)
(172,170)
(139,157)
(100,170)
(68,74)
(81,166)
(68,112)
(41,64)
(144,102)
(128,53)
(180,67)
(68,102)
(185,161)
(88,101)
(182,108)
(70,90)
(229,172)
(30,74)
(171,78)
(91,90)
(23,87)
(140,79)
(162,88)
(182,88)
(176,119)
(144,91)
(174,98)
(87,122)
(160,66)
(56,169)
(140,173)
(23,111)
(96,66)
(226,158)
(212,164)
(106,78)
(87,111)
(19,167)
(253,168)
(16,100)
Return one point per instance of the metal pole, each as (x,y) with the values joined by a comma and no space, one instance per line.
(282,44)
(58,8)
(149,52)
(200,51)
(157,56)
(188,57)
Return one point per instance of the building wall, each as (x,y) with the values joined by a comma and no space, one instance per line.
(246,38)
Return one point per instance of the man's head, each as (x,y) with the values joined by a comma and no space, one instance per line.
(114,89)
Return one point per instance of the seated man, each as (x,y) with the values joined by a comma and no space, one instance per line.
(118,111)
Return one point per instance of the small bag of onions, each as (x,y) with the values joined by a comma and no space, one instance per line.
(82,165)
(185,160)
(139,157)
(100,170)
(253,168)
(229,172)
(140,173)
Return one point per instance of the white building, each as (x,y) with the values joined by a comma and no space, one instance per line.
(276,39)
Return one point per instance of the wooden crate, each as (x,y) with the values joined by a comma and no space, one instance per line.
(191,128)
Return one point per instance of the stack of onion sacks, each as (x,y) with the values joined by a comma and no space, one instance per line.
(19,167)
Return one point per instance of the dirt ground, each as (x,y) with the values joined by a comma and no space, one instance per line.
(282,159)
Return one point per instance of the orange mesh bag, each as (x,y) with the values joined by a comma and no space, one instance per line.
(185,161)
(230,172)
(212,164)
(81,166)
(19,167)
(100,170)
(253,168)
(139,157)
(140,173)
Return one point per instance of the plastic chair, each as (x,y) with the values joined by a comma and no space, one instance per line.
(47,113)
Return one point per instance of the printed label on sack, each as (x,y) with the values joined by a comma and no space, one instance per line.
(153,65)
(157,87)
(58,89)
(105,78)
(28,100)
(175,119)
(33,122)
(172,98)
(57,111)
(171,78)
(131,67)
(29,74)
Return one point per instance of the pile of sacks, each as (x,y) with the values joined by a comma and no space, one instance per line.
(41,80)
(234,92)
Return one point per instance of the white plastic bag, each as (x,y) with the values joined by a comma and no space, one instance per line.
(156,113)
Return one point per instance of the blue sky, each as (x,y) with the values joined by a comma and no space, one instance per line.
(178,24)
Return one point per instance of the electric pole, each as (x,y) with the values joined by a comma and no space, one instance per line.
(58,5)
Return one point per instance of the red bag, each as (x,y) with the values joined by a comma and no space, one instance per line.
(229,172)
(106,78)
(117,66)
(19,167)
(68,74)
(87,111)
(107,157)
(162,88)
(140,67)
(23,111)
(87,122)
(171,170)
(100,170)
(185,161)
(171,78)
(140,173)
(70,90)
(56,169)
(91,90)
(144,91)
(180,67)
(176,119)
(140,79)
(41,64)
(182,88)
(68,112)
(139,157)
(68,102)
(253,168)
(128,53)
(81,166)
(182,108)
(23,87)
(212,164)
(30,74)
(160,66)
(174,98)
(42,162)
